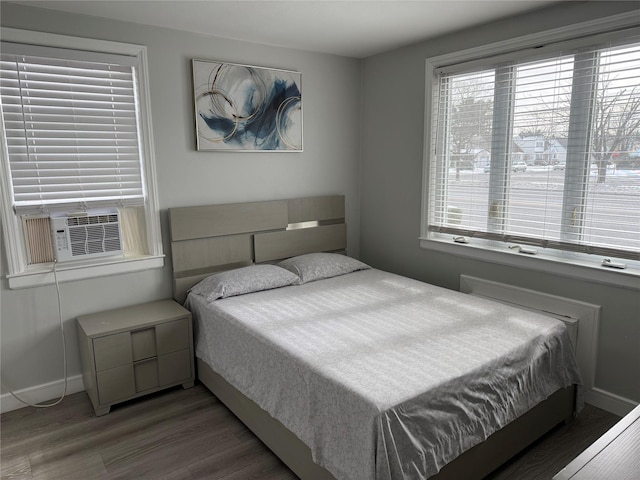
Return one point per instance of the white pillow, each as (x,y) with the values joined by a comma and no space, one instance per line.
(316,266)
(254,278)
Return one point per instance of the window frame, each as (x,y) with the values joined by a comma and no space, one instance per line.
(22,275)
(559,263)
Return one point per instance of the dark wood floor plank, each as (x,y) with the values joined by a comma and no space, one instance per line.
(154,456)
(40,427)
(270,468)
(224,463)
(192,431)
(188,434)
(95,433)
(22,422)
(16,467)
(81,465)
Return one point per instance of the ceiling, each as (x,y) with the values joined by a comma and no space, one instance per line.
(358,29)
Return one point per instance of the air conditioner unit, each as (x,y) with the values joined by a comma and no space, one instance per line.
(86,235)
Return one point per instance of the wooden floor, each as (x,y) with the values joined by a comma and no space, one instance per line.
(188,434)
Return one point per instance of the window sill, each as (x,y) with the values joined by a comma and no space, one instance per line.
(68,272)
(581,267)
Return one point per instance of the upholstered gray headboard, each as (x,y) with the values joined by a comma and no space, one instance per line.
(211,238)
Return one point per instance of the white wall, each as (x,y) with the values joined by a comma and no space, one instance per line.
(30,347)
(392,151)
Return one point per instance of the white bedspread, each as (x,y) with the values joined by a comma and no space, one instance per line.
(382,376)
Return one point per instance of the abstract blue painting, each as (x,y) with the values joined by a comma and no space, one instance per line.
(246,108)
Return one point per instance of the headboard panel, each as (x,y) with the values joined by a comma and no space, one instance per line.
(211,238)
(226,219)
(278,245)
(318,209)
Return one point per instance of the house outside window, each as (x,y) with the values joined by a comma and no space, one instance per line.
(76,146)
(572,106)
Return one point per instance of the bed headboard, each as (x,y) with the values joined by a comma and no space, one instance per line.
(212,238)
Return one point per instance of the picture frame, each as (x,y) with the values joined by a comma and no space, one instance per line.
(245,108)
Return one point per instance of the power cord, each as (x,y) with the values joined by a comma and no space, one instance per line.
(64,354)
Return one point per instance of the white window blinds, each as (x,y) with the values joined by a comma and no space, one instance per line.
(540,151)
(71,127)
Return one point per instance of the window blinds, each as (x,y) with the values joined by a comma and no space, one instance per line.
(71,128)
(543,152)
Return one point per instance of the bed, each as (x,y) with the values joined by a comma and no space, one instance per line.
(361,374)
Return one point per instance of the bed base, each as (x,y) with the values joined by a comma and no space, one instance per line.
(475,463)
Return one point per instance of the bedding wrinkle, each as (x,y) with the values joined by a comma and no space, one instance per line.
(383,377)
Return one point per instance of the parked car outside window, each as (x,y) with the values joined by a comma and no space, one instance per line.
(519,167)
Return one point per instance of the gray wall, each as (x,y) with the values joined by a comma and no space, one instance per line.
(30,345)
(392,149)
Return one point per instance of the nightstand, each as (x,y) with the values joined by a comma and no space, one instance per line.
(130,352)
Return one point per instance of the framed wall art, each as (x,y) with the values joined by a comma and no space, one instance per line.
(246,108)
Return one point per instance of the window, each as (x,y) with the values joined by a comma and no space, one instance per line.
(76,138)
(562,126)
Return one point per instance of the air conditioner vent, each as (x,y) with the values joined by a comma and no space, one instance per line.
(85,236)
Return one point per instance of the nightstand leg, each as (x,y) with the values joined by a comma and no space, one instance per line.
(188,384)
(102,411)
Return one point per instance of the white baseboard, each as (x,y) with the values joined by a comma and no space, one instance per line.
(41,394)
(609,401)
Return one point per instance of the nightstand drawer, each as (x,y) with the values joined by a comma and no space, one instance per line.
(146,374)
(173,336)
(143,344)
(112,351)
(116,384)
(174,367)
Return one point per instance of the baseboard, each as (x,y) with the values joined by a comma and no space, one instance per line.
(40,394)
(610,402)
